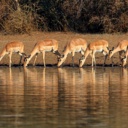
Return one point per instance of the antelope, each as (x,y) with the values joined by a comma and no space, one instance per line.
(13,47)
(121,47)
(98,46)
(49,45)
(75,45)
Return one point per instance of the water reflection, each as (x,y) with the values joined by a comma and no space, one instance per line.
(11,96)
(118,97)
(86,94)
(41,95)
(63,97)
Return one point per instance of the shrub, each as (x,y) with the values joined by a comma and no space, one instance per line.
(88,16)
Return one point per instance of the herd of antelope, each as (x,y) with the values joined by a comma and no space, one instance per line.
(75,45)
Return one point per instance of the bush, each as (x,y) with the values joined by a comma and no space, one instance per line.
(17,20)
(88,16)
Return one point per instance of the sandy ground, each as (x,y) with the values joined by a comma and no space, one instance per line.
(62,38)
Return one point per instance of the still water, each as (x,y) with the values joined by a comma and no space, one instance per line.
(63,97)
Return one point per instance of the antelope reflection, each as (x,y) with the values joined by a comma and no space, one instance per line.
(124,82)
(41,92)
(12,81)
(42,83)
(12,98)
(118,96)
(119,79)
(83,88)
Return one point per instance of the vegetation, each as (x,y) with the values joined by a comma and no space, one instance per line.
(86,16)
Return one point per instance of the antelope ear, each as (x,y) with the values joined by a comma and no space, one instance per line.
(108,48)
(112,48)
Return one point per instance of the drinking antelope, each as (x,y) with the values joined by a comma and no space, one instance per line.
(75,45)
(13,47)
(121,47)
(98,46)
(49,45)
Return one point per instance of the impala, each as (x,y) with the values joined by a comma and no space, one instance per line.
(75,45)
(49,45)
(98,46)
(121,47)
(13,47)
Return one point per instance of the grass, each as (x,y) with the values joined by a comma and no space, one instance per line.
(63,38)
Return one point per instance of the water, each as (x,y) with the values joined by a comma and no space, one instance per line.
(63,98)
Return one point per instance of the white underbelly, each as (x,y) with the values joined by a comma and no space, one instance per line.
(17,49)
(78,50)
(48,50)
(99,50)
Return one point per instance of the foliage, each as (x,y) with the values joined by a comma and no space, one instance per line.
(88,16)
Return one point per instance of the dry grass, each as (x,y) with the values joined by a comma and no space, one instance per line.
(62,38)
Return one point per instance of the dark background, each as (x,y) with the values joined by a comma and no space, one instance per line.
(84,16)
